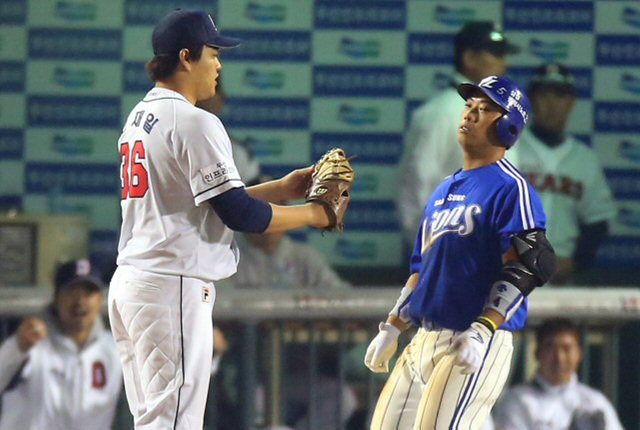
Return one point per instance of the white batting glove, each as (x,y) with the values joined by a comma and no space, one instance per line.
(470,347)
(382,348)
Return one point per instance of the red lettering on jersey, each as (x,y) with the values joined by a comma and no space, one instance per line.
(548,183)
(555,184)
(134,179)
(98,375)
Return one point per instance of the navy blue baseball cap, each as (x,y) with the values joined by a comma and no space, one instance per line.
(483,36)
(76,273)
(185,29)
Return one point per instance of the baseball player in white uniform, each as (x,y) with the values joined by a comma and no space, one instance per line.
(565,172)
(182,198)
(61,370)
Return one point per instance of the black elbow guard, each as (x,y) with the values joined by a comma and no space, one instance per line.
(536,254)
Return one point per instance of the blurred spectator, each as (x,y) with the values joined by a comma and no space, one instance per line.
(554,399)
(431,150)
(565,172)
(61,370)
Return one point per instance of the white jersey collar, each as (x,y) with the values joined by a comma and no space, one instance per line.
(157,93)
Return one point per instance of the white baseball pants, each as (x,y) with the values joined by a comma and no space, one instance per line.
(163,329)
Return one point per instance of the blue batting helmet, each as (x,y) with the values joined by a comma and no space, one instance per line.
(508,95)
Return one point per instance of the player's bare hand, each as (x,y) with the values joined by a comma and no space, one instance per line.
(382,348)
(470,347)
(31,331)
(294,185)
(220,344)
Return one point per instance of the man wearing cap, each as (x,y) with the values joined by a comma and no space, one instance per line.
(565,172)
(61,370)
(430,148)
(182,198)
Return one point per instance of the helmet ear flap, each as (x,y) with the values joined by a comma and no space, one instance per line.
(507,130)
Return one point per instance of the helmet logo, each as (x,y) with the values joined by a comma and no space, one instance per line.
(488,82)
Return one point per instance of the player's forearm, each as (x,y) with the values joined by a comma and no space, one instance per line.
(397,317)
(269,191)
(290,217)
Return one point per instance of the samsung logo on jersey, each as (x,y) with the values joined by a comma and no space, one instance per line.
(630,83)
(629,150)
(11,144)
(618,50)
(271,46)
(358,116)
(624,183)
(265,147)
(150,11)
(12,76)
(631,16)
(76,11)
(72,178)
(72,146)
(621,117)
(269,113)
(263,13)
(75,44)
(430,48)
(381,148)
(371,215)
(73,111)
(13,11)
(263,80)
(454,17)
(544,15)
(73,78)
(549,51)
(356,250)
(380,15)
(358,81)
(359,49)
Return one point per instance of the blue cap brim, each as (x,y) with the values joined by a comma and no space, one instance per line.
(220,41)
(466,89)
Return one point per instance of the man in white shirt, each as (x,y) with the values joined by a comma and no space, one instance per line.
(555,399)
(565,172)
(60,370)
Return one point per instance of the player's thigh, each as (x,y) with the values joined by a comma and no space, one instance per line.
(453,400)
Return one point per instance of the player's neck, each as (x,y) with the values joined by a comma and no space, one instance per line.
(178,85)
(475,159)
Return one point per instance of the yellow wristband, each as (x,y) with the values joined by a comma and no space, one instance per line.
(489,321)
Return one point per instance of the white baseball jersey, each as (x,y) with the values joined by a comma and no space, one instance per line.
(174,157)
(540,406)
(431,152)
(570,183)
(61,387)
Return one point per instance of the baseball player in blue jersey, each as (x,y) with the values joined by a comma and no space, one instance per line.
(480,250)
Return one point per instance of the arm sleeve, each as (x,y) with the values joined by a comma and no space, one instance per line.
(11,361)
(203,151)
(239,211)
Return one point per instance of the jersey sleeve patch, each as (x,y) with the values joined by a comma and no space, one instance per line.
(217,173)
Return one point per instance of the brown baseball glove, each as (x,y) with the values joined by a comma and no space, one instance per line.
(331,185)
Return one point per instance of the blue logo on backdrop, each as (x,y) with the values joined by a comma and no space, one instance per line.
(72,178)
(382,148)
(268,113)
(583,78)
(358,81)
(13,11)
(12,76)
(619,251)
(358,116)
(265,147)
(430,48)
(73,78)
(378,215)
(623,117)
(11,143)
(73,111)
(72,146)
(618,50)
(631,16)
(545,15)
(75,44)
(441,80)
(265,13)
(630,83)
(629,150)
(359,49)
(380,15)
(135,77)
(271,45)
(76,11)
(263,80)
(150,11)
(454,17)
(624,183)
(549,51)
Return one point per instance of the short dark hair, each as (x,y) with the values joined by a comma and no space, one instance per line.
(555,326)
(162,66)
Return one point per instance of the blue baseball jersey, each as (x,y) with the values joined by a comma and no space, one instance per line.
(466,227)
